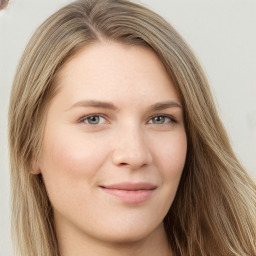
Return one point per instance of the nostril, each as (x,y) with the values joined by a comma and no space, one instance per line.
(131,156)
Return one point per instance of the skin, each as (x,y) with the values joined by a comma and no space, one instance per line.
(87,145)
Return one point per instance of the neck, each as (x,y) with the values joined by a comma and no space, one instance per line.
(155,244)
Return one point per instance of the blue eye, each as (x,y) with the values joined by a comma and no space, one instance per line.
(93,120)
(162,119)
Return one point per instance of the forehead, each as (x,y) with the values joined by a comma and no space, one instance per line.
(113,69)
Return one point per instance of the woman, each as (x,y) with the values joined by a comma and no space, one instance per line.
(116,146)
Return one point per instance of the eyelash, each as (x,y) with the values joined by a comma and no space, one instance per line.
(82,120)
(172,120)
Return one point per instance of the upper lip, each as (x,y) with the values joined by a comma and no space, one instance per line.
(131,186)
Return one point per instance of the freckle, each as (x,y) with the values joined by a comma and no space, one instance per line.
(3,4)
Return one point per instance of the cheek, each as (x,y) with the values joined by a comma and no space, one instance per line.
(171,156)
(68,160)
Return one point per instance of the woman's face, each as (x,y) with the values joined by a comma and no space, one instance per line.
(114,145)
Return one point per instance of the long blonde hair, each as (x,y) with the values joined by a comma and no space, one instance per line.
(214,211)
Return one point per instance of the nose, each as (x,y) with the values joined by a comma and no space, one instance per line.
(131,149)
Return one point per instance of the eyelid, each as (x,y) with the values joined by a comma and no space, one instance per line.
(82,119)
(173,120)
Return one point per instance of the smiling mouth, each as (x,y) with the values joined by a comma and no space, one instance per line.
(130,193)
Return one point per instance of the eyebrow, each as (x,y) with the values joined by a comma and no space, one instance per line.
(108,105)
(164,105)
(95,104)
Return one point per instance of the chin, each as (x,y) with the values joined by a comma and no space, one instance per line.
(134,234)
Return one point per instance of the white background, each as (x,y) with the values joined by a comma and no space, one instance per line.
(222,34)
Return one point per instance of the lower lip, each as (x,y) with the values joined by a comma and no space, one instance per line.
(130,196)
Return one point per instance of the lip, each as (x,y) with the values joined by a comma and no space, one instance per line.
(131,193)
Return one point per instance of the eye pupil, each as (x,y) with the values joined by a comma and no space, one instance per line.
(93,119)
(159,119)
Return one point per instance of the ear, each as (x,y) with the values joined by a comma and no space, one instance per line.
(35,169)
